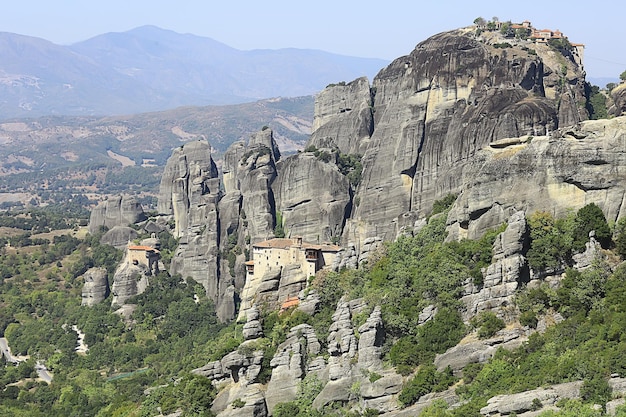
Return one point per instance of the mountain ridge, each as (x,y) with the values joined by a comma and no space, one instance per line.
(150,69)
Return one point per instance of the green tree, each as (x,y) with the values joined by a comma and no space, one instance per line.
(596,104)
(479,21)
(620,237)
(622,76)
(279,230)
(591,218)
(551,241)
(488,324)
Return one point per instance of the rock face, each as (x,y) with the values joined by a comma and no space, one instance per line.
(119,236)
(572,167)
(432,111)
(344,117)
(116,211)
(504,127)
(313,197)
(618,94)
(353,370)
(216,225)
(421,127)
(96,287)
(256,172)
(506,273)
(289,364)
(503,405)
(190,192)
(129,280)
(131,277)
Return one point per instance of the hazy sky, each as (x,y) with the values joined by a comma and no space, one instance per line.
(381,29)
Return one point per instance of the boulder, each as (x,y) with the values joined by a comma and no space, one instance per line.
(502,405)
(116,211)
(119,236)
(252,329)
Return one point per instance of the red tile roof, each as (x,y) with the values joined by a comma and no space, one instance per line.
(290,302)
(143,248)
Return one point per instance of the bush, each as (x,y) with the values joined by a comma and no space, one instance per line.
(551,241)
(425,381)
(591,218)
(238,403)
(488,324)
(596,389)
(439,206)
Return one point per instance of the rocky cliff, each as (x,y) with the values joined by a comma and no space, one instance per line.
(500,124)
(618,95)
(570,168)
(345,369)
(419,132)
(217,222)
(435,108)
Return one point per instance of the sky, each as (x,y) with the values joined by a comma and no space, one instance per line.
(384,29)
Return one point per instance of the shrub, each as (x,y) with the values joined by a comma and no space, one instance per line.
(439,206)
(238,403)
(488,324)
(551,241)
(596,389)
(591,218)
(425,381)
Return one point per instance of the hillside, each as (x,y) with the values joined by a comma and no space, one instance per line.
(148,69)
(80,151)
(449,243)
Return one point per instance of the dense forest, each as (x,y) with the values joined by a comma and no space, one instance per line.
(141,366)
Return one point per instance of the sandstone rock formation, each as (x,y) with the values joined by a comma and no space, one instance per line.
(131,277)
(433,110)
(96,287)
(119,236)
(116,211)
(190,192)
(507,272)
(289,364)
(129,280)
(344,117)
(503,127)
(351,363)
(256,173)
(570,168)
(313,196)
(618,94)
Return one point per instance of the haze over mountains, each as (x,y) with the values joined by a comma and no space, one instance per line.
(149,69)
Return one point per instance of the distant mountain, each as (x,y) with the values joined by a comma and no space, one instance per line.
(151,69)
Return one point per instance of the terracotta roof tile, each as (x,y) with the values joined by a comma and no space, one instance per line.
(143,248)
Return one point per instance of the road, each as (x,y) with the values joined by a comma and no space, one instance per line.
(41,369)
(6,351)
